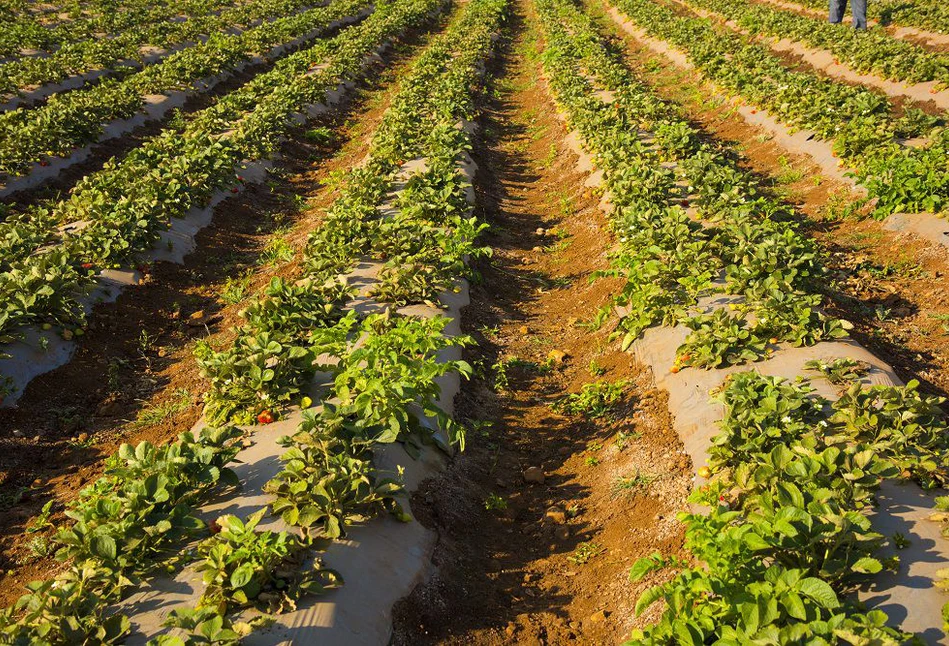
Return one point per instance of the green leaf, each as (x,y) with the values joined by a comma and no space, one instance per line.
(867,565)
(820,591)
(648,598)
(243,575)
(103,546)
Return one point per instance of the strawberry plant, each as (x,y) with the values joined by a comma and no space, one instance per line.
(329,482)
(841,371)
(204,625)
(137,512)
(243,566)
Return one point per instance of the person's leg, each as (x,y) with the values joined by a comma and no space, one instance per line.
(837,10)
(859,9)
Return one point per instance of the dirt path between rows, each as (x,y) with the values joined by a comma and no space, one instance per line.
(541,517)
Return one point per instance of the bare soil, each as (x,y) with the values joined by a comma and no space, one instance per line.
(544,562)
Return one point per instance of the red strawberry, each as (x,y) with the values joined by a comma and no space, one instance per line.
(265,417)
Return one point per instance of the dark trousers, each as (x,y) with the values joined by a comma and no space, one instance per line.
(858,7)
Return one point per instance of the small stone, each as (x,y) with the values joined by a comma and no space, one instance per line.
(109,409)
(17,433)
(162,352)
(37,438)
(556,514)
(37,483)
(557,355)
(540,231)
(599,616)
(562,533)
(534,474)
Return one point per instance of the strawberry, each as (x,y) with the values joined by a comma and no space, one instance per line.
(265,417)
(86,265)
(214,527)
(235,190)
(674,369)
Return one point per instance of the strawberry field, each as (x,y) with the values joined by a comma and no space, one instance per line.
(480,322)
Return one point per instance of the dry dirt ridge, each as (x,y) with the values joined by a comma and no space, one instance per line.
(909,595)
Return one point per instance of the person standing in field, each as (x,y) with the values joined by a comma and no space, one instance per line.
(857,7)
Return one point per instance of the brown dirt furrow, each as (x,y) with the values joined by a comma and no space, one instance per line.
(543,562)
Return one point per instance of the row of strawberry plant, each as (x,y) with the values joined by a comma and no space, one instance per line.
(33,28)
(864,127)
(424,247)
(747,247)
(73,119)
(387,367)
(787,536)
(387,383)
(45,269)
(141,509)
(113,53)
(786,540)
(874,51)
